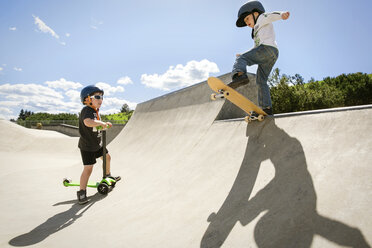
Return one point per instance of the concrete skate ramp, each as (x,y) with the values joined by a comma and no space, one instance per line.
(190,181)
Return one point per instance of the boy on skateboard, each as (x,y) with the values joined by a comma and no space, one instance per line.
(265,51)
(90,138)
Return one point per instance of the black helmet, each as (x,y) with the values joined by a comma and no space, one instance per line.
(88,91)
(247,9)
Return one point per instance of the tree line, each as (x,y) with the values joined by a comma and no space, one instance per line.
(292,94)
(26,116)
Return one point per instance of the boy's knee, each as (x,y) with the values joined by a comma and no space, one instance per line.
(108,157)
(88,168)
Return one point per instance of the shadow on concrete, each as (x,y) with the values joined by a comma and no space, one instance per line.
(287,204)
(55,223)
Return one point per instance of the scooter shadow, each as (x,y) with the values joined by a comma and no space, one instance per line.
(56,223)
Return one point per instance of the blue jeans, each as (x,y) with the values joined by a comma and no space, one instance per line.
(265,57)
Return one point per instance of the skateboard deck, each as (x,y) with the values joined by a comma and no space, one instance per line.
(224,91)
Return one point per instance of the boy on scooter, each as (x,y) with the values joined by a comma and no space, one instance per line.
(90,138)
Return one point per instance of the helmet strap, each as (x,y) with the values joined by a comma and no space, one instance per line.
(98,117)
(91,106)
(89,103)
(255,21)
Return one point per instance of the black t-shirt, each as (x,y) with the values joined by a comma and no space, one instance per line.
(90,138)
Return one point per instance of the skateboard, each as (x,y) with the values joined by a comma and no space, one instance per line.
(107,183)
(224,91)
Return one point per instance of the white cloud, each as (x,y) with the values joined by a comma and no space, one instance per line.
(59,96)
(108,89)
(44,28)
(180,75)
(27,90)
(63,84)
(95,24)
(125,80)
(113,105)
(33,97)
(13,28)
(5,110)
(68,34)
(74,95)
(18,69)
(1,68)
(5,113)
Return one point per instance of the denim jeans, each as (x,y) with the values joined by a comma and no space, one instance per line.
(265,57)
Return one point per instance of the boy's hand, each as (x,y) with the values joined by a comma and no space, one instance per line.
(106,125)
(238,54)
(285,15)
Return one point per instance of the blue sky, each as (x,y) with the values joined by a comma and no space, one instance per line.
(138,50)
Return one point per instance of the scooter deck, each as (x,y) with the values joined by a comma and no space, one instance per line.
(67,183)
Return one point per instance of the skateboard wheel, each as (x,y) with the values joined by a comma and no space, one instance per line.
(66,181)
(260,118)
(103,188)
(213,97)
(247,119)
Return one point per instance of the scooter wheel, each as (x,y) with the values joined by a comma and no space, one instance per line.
(103,188)
(66,181)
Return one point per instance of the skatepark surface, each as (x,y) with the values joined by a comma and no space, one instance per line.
(196,175)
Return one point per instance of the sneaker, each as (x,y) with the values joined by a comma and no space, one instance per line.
(118,178)
(82,197)
(238,80)
(268,111)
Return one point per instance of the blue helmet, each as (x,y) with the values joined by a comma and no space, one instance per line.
(246,9)
(88,91)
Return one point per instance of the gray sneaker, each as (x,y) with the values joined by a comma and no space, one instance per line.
(238,80)
(268,111)
(118,178)
(82,197)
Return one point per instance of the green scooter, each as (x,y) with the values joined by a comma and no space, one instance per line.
(107,183)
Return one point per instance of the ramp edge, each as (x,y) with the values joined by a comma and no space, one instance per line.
(309,112)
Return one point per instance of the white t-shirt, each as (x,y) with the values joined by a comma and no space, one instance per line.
(263,33)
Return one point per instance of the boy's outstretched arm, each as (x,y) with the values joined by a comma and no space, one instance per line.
(272,17)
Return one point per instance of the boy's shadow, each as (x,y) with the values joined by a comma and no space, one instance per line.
(55,223)
(288,201)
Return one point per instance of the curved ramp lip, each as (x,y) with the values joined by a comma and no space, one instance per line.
(310,112)
(191,86)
